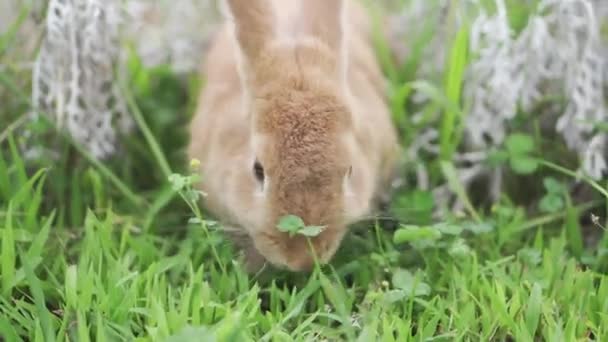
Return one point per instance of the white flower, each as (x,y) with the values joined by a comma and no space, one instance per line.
(74,73)
(559,52)
(172,32)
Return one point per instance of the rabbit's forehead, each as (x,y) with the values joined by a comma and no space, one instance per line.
(332,148)
(258,141)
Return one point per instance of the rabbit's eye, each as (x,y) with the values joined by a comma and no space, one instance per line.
(258,171)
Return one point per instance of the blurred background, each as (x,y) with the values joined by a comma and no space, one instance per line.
(501,106)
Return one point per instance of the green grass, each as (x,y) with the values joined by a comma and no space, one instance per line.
(119,250)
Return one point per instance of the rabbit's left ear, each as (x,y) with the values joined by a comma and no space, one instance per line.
(254,22)
(323,21)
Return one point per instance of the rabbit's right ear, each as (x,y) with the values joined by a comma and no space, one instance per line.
(323,19)
(254,24)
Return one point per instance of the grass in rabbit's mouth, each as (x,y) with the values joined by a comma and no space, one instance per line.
(119,251)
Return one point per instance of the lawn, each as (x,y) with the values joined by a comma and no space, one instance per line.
(119,249)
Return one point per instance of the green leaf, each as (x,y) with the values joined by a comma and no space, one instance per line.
(519,144)
(551,203)
(523,165)
(178,182)
(311,231)
(394,296)
(290,224)
(414,233)
(530,256)
(459,248)
(192,195)
(415,207)
(406,281)
(448,228)
(497,157)
(553,186)
(195,220)
(480,228)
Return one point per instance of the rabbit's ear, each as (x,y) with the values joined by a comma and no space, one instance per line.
(254,24)
(322,19)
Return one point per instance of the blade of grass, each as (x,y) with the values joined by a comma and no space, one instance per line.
(398,107)
(534,309)
(573,231)
(162,200)
(8,253)
(453,88)
(76,202)
(105,171)
(35,202)
(12,127)
(451,176)
(38,244)
(7,331)
(17,161)
(7,39)
(109,175)
(43,314)
(22,197)
(412,64)
(143,126)
(543,220)
(436,95)
(575,175)
(5,182)
(382,48)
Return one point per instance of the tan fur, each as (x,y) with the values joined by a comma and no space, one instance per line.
(287,93)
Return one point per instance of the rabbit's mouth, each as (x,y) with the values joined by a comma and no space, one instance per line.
(297,253)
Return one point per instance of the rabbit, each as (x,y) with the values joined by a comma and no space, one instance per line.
(292,120)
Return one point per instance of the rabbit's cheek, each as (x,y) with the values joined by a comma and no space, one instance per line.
(269,248)
(325,249)
(330,246)
(347,186)
(351,189)
(354,207)
(254,261)
(259,191)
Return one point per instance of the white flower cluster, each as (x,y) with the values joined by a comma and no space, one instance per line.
(74,76)
(559,53)
(172,32)
(7,7)
(404,27)
(74,73)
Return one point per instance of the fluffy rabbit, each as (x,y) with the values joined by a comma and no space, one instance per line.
(293,120)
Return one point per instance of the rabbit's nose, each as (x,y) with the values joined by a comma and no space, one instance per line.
(300,256)
(301,263)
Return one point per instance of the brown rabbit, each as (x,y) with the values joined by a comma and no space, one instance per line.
(293,120)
